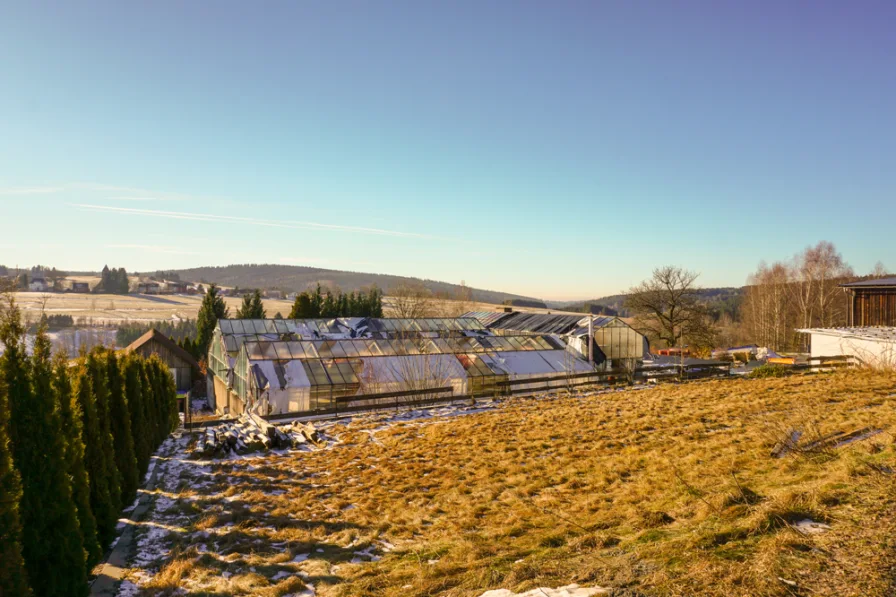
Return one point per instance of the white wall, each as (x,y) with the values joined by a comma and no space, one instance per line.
(875,353)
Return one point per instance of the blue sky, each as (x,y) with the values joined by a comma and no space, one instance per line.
(558,150)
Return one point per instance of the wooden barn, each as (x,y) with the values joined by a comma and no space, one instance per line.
(183,366)
(873,302)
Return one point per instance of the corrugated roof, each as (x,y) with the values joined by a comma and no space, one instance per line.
(879,282)
(886,334)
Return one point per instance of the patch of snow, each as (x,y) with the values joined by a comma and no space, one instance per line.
(807,526)
(128,589)
(567,591)
(301,558)
(366,555)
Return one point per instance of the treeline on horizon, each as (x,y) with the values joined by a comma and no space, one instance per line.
(76,438)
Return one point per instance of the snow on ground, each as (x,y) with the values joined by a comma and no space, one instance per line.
(568,591)
(179,472)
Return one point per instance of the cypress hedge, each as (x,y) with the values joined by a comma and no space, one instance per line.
(72,426)
(13,577)
(51,531)
(132,367)
(120,424)
(98,456)
(74,440)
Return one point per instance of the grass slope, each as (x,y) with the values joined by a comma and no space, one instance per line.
(666,491)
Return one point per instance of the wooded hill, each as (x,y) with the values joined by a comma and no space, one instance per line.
(293,278)
(719,300)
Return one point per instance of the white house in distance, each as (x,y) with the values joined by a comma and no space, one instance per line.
(873,346)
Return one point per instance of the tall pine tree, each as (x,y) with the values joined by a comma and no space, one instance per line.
(49,518)
(72,426)
(13,578)
(252,307)
(213,308)
(120,424)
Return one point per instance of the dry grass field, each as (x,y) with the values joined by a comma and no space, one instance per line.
(113,309)
(666,491)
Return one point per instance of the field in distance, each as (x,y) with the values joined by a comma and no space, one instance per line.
(664,491)
(113,308)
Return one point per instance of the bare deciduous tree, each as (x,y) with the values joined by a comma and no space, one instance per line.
(879,271)
(412,300)
(767,305)
(667,308)
(806,293)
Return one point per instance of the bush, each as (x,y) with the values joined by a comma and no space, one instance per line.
(767,370)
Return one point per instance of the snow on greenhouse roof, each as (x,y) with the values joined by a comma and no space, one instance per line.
(376,347)
(349,326)
(544,323)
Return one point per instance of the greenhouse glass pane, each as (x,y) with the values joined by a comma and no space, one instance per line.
(268,349)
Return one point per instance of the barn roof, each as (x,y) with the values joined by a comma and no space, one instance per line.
(878,283)
(165,341)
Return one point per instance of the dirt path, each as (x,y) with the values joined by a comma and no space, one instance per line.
(108,581)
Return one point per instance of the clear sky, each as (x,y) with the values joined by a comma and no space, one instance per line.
(554,149)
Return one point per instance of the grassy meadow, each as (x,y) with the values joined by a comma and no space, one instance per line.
(667,491)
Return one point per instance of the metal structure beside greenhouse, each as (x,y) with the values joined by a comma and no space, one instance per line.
(300,366)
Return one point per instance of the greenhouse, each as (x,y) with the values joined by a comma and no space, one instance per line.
(306,365)
(616,344)
(278,377)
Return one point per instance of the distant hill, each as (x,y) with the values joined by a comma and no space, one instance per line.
(719,300)
(293,278)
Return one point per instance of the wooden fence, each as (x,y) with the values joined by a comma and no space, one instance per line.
(347,405)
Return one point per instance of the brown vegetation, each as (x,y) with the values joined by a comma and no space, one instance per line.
(667,491)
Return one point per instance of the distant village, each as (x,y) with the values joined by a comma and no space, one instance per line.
(47,280)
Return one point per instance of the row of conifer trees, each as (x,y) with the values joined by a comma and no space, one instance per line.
(76,437)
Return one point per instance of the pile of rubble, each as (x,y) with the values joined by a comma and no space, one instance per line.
(250,433)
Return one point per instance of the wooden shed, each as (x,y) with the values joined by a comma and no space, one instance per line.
(183,366)
(873,302)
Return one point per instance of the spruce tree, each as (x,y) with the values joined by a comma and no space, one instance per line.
(302,307)
(257,306)
(120,424)
(213,308)
(73,433)
(317,303)
(105,492)
(245,310)
(133,383)
(13,577)
(49,518)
